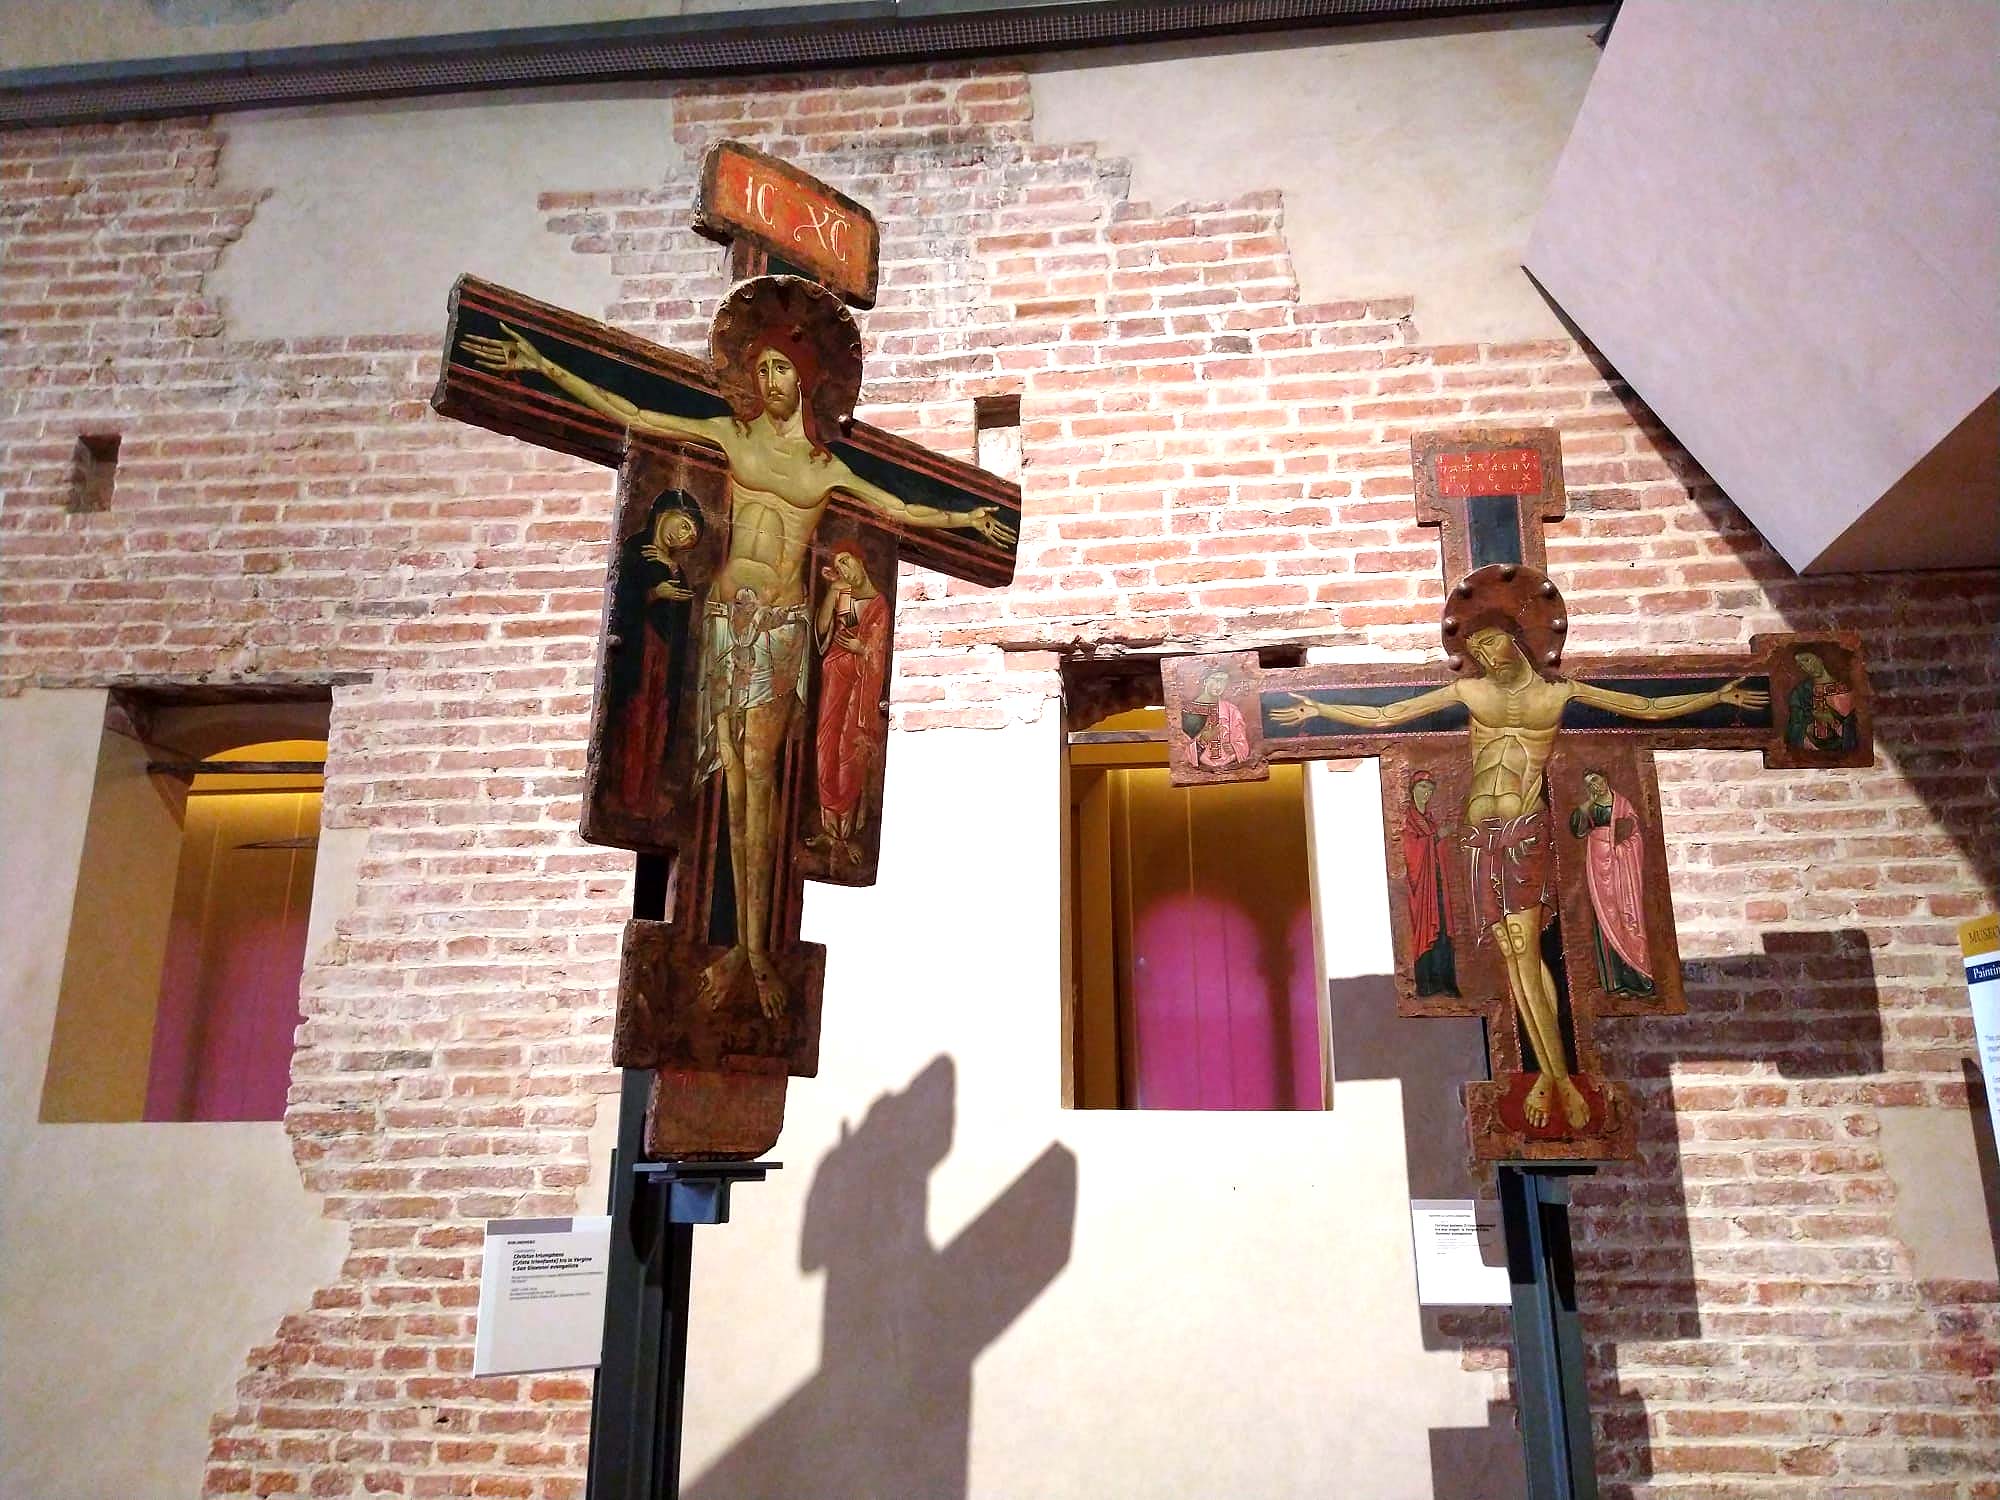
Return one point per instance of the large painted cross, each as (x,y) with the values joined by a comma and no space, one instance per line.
(1527,872)
(740,717)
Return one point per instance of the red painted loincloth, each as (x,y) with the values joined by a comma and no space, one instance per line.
(1509,866)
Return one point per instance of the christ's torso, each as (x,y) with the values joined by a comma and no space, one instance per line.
(777,492)
(1513,731)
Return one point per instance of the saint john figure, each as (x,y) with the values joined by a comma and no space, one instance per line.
(1430,897)
(1614,861)
(853,632)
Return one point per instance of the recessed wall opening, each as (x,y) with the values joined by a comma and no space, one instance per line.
(93,467)
(180,987)
(996,426)
(1193,946)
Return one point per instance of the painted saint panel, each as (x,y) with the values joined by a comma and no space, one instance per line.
(671,529)
(1820,688)
(1441,967)
(1213,719)
(1619,943)
(854,629)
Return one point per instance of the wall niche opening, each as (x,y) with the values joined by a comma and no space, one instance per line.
(93,469)
(1193,942)
(180,989)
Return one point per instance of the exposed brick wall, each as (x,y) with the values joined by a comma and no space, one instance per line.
(1207,459)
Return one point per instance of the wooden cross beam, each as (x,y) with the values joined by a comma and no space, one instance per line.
(741,719)
(656,379)
(1527,871)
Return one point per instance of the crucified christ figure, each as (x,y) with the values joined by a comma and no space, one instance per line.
(1515,715)
(787,357)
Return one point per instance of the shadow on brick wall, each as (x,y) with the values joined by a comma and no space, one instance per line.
(1933,654)
(1748,1132)
(1805,1007)
(1931,641)
(889,1410)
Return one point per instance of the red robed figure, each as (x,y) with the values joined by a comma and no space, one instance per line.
(855,664)
(1423,865)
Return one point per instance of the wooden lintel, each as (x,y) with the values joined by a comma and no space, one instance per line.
(1117,737)
(187,770)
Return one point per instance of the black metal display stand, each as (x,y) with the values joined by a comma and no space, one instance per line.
(635,1412)
(1548,1337)
(635,1415)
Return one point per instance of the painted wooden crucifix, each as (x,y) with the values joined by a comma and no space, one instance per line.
(740,717)
(1528,876)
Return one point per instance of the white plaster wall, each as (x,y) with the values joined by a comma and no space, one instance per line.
(1412,158)
(138,1262)
(48,741)
(1933,1158)
(1237,1315)
(373,210)
(1777,221)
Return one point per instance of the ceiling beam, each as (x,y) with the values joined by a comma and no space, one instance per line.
(872,33)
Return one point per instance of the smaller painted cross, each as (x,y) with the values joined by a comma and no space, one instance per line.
(740,719)
(1527,870)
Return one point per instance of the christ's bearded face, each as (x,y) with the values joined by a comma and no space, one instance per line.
(1492,648)
(777,384)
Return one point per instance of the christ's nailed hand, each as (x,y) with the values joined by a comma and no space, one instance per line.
(502,355)
(1302,709)
(1742,697)
(985,519)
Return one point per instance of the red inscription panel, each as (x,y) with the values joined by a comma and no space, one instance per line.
(1504,471)
(747,195)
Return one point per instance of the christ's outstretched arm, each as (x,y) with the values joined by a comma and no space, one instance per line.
(1367,715)
(514,352)
(984,519)
(1670,706)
